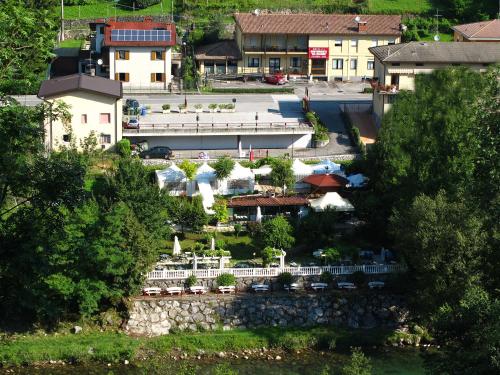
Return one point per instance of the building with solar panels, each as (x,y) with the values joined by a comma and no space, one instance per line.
(139,54)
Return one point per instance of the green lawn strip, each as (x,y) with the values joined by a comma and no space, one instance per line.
(71,43)
(252,90)
(399,6)
(100,9)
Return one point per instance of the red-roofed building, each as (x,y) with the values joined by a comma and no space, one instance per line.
(323,183)
(139,53)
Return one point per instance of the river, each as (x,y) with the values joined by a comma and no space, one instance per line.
(391,361)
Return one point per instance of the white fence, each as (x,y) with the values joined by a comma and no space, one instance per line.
(273,272)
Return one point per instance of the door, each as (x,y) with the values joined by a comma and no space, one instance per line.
(274,64)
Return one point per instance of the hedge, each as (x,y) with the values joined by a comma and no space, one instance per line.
(254,90)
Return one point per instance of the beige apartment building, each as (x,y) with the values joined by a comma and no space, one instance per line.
(396,66)
(95,106)
(323,46)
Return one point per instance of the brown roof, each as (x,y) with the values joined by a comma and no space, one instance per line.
(326,180)
(146,24)
(80,82)
(310,24)
(485,30)
(267,201)
(226,49)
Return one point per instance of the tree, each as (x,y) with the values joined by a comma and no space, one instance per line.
(282,173)
(359,364)
(189,168)
(331,255)
(221,212)
(317,229)
(223,167)
(269,254)
(277,233)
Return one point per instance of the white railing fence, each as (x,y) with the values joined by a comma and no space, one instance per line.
(273,272)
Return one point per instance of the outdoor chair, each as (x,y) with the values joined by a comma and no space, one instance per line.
(227,289)
(152,291)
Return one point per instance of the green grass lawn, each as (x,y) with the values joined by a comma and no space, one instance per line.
(400,6)
(101,8)
(71,43)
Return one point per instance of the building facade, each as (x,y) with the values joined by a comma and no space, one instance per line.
(95,107)
(139,54)
(324,46)
(484,31)
(396,66)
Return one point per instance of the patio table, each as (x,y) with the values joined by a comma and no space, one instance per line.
(319,286)
(151,291)
(198,290)
(174,290)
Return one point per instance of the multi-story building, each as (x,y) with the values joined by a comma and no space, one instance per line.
(484,31)
(324,46)
(95,107)
(139,54)
(396,66)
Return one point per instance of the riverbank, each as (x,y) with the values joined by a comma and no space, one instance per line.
(271,343)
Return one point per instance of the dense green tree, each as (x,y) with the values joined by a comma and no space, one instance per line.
(317,229)
(277,233)
(282,173)
(359,364)
(189,168)
(223,167)
(221,212)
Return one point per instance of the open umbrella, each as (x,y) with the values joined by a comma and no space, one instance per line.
(258,216)
(212,245)
(177,247)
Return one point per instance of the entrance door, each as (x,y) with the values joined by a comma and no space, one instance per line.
(318,67)
(274,64)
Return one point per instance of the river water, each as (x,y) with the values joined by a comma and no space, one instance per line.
(384,362)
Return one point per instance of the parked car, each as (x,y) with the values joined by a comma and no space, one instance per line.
(132,123)
(158,152)
(276,79)
(131,104)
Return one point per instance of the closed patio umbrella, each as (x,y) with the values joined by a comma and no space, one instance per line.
(212,245)
(258,216)
(177,247)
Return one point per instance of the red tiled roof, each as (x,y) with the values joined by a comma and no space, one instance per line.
(486,30)
(267,201)
(326,180)
(140,25)
(310,24)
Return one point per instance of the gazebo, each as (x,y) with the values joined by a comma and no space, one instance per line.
(323,183)
(173,179)
(240,181)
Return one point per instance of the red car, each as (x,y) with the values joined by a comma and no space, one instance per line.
(276,79)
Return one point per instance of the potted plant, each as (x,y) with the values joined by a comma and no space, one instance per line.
(212,107)
(230,107)
(166,108)
(182,108)
(198,108)
(222,108)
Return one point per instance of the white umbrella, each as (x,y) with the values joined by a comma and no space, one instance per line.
(240,150)
(212,245)
(177,247)
(258,216)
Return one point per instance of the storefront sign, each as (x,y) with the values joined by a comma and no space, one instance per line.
(318,52)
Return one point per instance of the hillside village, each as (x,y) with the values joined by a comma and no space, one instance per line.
(183,170)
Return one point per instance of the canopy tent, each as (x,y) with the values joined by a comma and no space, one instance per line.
(357,180)
(239,172)
(326,166)
(325,182)
(300,169)
(331,200)
(172,174)
(205,172)
(264,170)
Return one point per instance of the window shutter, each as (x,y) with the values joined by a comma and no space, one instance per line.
(163,55)
(153,55)
(117,77)
(117,55)
(163,77)
(153,77)
(127,55)
(126,77)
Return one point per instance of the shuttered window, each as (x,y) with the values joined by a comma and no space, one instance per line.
(157,77)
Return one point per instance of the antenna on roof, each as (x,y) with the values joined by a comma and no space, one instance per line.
(436,36)
(357,19)
(256,12)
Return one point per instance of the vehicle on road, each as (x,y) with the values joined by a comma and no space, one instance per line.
(158,152)
(275,79)
(132,123)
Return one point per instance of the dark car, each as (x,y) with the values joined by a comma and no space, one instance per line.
(131,105)
(133,123)
(158,152)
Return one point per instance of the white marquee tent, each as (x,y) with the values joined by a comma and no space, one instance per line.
(326,166)
(205,172)
(332,200)
(171,175)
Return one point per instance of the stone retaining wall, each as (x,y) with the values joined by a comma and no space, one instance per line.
(158,316)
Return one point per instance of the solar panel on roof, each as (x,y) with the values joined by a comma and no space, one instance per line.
(125,35)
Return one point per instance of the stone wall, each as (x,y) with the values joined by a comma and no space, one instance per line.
(157,316)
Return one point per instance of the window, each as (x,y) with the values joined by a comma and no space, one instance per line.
(66,137)
(157,55)
(105,138)
(419,64)
(157,77)
(370,65)
(124,77)
(295,62)
(391,42)
(395,64)
(122,55)
(354,63)
(84,119)
(338,43)
(104,118)
(354,43)
(374,42)
(274,64)
(253,62)
(337,63)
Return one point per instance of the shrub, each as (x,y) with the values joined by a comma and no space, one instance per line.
(257,90)
(223,167)
(212,106)
(269,254)
(207,238)
(285,278)
(220,244)
(226,279)
(198,106)
(277,233)
(123,148)
(238,228)
(359,278)
(254,228)
(189,168)
(182,106)
(292,341)
(139,4)
(165,106)
(368,90)
(191,281)
(326,277)
(331,255)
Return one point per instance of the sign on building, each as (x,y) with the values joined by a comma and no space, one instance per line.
(318,52)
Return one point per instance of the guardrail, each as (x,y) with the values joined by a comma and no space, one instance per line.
(274,272)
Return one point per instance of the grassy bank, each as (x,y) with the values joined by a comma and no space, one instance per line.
(250,90)
(114,347)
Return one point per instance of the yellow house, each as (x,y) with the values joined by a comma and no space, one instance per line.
(95,106)
(396,66)
(324,46)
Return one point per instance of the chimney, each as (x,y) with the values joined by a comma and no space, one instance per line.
(148,19)
(362,26)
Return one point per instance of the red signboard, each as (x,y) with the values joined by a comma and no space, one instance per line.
(318,52)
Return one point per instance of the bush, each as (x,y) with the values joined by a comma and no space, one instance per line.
(165,106)
(262,90)
(359,278)
(182,106)
(254,228)
(212,106)
(207,238)
(220,244)
(368,90)
(198,106)
(123,148)
(326,277)
(292,341)
(226,279)
(139,4)
(238,228)
(277,233)
(285,278)
(223,167)
(269,254)
(191,281)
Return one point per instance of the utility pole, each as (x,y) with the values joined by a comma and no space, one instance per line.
(437,15)
(61,37)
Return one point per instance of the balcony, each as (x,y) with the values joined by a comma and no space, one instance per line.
(299,49)
(275,48)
